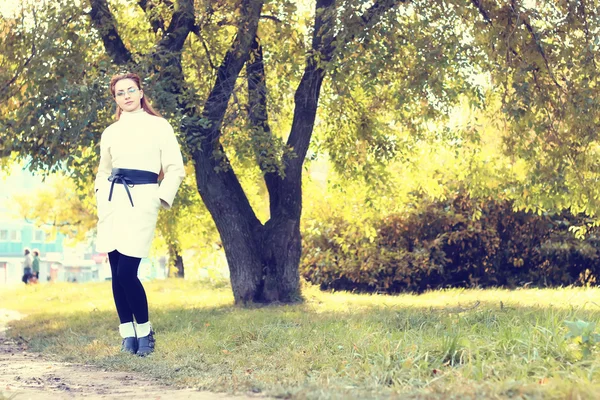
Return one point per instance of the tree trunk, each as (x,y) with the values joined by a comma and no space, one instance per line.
(238,227)
(218,185)
(105,22)
(177,261)
(263,260)
(281,251)
(280,246)
(280,242)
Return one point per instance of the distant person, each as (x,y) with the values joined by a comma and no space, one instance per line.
(134,150)
(35,265)
(27,266)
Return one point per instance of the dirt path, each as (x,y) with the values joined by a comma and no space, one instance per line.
(26,375)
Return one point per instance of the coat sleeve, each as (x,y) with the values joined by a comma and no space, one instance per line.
(171,163)
(105,167)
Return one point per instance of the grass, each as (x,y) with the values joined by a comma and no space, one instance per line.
(451,344)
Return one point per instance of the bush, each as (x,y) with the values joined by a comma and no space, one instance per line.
(454,243)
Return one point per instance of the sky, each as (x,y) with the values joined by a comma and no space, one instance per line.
(8,7)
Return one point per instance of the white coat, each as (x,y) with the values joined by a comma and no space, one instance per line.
(140,141)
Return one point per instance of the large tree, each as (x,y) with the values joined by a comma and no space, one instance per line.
(392,67)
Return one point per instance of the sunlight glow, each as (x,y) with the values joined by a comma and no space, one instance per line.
(9,8)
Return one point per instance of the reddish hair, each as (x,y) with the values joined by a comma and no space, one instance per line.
(145,102)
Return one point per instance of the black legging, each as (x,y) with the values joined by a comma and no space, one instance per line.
(129,294)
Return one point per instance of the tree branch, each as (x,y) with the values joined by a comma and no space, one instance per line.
(258,116)
(323,47)
(307,94)
(228,72)
(271,17)
(523,18)
(182,23)
(205,47)
(151,11)
(217,182)
(482,11)
(167,59)
(105,23)
(4,90)
(535,38)
(257,91)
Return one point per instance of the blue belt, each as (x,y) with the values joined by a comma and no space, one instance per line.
(129,178)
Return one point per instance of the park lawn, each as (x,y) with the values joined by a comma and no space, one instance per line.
(450,344)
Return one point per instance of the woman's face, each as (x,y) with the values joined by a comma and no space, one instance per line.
(127,95)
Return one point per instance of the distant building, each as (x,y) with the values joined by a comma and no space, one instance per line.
(15,236)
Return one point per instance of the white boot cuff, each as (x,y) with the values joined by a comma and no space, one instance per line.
(143,329)
(127,330)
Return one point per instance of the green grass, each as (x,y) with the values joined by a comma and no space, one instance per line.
(452,344)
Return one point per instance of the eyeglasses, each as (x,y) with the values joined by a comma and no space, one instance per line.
(131,90)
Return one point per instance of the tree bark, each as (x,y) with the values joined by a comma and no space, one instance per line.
(264,260)
(279,242)
(106,25)
(217,183)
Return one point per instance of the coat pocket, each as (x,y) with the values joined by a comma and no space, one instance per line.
(146,199)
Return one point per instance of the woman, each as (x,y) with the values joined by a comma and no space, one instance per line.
(27,264)
(35,265)
(133,151)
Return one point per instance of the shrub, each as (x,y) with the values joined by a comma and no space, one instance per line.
(458,242)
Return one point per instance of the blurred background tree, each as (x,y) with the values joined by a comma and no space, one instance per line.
(59,206)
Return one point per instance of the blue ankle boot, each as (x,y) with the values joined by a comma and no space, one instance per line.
(145,345)
(130,345)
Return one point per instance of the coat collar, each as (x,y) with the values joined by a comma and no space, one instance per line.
(132,114)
